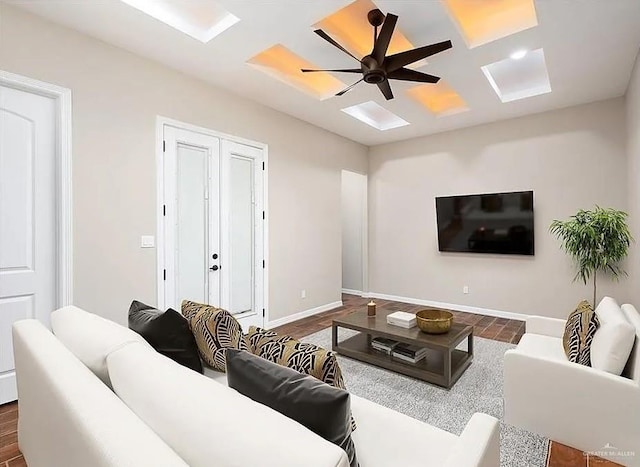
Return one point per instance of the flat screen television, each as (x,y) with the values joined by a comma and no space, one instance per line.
(498,223)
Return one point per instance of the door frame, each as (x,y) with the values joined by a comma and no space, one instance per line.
(161,122)
(64,199)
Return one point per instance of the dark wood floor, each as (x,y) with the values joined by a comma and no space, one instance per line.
(9,453)
(501,329)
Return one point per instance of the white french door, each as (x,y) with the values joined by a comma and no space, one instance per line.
(212,240)
(28,209)
(192,217)
(243,232)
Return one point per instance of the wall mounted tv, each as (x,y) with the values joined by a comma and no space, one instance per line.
(499,223)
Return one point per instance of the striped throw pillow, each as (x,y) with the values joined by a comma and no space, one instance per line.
(581,326)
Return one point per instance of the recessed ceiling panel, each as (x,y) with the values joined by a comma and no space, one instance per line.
(375,115)
(440,98)
(284,65)
(351,29)
(200,19)
(519,78)
(483,21)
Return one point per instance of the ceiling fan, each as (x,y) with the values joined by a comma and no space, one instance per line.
(378,68)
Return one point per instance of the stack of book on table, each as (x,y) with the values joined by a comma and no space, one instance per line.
(409,353)
(401,351)
(384,345)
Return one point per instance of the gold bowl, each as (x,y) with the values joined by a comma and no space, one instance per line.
(434,321)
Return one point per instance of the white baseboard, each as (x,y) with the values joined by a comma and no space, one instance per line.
(451,306)
(303,314)
(359,293)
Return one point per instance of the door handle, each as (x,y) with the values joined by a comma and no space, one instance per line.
(215,267)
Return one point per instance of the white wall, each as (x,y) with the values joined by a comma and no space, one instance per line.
(572,158)
(354,205)
(633,147)
(116,97)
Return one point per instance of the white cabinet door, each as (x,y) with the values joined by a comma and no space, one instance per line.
(27,218)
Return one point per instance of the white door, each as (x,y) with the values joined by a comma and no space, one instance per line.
(192,217)
(243,235)
(213,216)
(27,218)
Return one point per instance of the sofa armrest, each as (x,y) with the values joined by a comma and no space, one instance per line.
(551,327)
(478,445)
(564,401)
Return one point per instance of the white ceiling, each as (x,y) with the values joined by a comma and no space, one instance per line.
(589,46)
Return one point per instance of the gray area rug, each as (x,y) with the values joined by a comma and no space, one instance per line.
(479,389)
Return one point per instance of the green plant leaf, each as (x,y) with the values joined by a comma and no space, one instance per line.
(596,240)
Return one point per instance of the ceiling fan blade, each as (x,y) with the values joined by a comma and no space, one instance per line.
(385,87)
(397,61)
(328,38)
(384,38)
(346,70)
(346,90)
(406,74)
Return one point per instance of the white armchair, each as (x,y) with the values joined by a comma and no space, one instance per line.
(580,406)
(478,444)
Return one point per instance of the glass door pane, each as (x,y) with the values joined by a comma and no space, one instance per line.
(191,224)
(242,243)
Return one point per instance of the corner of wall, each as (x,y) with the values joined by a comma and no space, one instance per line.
(632,100)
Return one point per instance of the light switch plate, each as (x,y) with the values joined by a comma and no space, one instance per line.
(147,241)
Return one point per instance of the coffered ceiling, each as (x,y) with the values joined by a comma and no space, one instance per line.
(509,57)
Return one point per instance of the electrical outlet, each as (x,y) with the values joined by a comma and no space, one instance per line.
(303,293)
(465,289)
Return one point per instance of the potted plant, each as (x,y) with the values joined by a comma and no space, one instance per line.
(597,241)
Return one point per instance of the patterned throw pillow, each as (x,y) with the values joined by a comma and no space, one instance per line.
(257,337)
(308,359)
(581,326)
(215,331)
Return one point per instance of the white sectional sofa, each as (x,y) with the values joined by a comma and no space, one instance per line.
(162,414)
(588,408)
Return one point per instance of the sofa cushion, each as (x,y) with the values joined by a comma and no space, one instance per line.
(215,375)
(91,338)
(542,346)
(580,328)
(168,332)
(323,409)
(386,438)
(613,340)
(308,359)
(215,331)
(209,424)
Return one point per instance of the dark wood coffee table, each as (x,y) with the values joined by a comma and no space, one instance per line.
(443,365)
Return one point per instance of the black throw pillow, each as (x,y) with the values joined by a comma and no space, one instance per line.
(323,409)
(168,332)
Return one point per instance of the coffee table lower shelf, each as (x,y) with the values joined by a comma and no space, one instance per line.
(430,369)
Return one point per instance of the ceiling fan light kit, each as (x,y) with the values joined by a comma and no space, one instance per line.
(378,68)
